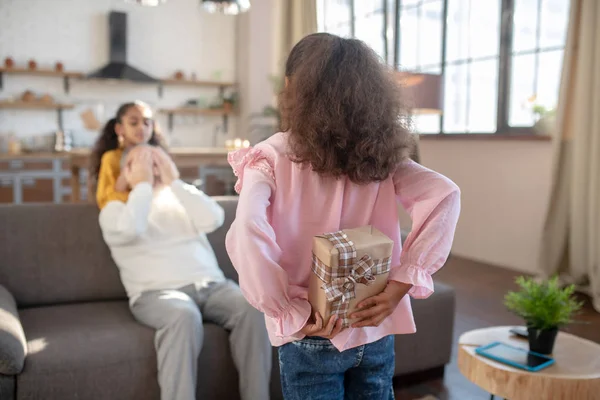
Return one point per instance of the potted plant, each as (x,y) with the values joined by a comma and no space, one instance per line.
(543,114)
(545,307)
(229,101)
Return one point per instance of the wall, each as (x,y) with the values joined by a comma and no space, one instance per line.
(176,35)
(505,189)
(256,42)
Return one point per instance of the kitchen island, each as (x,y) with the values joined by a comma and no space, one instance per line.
(193,163)
(58,177)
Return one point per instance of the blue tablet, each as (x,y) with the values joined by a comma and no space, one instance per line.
(515,357)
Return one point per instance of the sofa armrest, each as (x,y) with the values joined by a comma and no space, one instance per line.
(13,346)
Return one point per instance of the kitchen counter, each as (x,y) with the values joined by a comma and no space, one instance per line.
(34,156)
(188,157)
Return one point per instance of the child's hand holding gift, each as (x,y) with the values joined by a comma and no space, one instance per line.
(334,326)
(377,308)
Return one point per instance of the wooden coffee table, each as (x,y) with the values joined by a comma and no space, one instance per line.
(574,376)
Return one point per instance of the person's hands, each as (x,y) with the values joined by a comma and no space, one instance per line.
(121,183)
(316,328)
(139,168)
(165,166)
(373,310)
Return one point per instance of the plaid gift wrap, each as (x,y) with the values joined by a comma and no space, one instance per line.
(341,276)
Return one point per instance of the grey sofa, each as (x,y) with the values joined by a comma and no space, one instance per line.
(70,321)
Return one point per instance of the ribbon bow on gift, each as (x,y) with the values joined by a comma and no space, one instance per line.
(344,288)
(339,283)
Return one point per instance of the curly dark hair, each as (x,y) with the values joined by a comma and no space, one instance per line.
(343,110)
(108,139)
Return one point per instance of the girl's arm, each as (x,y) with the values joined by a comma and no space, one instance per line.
(204,212)
(107,178)
(255,254)
(433,202)
(122,223)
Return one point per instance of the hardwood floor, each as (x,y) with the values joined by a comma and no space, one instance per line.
(480,289)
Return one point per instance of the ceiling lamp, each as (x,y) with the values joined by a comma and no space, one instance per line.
(229,7)
(147,3)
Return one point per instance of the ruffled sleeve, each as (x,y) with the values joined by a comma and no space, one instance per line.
(253,158)
(252,246)
(433,202)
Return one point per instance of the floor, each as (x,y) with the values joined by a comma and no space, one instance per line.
(480,290)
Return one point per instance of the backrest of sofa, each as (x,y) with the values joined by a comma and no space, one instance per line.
(217,238)
(55,253)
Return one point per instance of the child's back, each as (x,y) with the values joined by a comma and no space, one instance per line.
(341,162)
(283,205)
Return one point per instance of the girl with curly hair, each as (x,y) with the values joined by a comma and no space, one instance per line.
(340,162)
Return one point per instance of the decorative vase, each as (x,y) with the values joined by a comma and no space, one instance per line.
(542,340)
(545,125)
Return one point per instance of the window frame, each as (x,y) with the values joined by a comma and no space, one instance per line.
(507,11)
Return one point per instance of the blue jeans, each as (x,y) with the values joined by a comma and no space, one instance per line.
(313,369)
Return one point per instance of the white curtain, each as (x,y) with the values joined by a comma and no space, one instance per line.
(571,239)
(295,19)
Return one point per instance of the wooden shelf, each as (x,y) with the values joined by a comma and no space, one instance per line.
(187,82)
(191,111)
(195,111)
(40,72)
(24,105)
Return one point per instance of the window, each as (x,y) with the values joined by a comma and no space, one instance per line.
(498,57)
(539,35)
(335,16)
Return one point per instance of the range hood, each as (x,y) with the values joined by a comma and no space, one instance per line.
(117,67)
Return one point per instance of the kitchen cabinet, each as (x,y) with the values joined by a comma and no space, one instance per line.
(6,190)
(37,189)
(33,178)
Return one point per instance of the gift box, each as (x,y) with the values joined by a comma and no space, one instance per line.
(348,266)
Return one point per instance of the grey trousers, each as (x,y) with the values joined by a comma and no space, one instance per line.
(177,316)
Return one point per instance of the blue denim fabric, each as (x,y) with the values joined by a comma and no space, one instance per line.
(313,369)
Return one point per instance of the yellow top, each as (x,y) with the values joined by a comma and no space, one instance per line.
(110,168)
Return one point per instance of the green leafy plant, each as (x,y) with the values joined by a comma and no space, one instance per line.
(268,121)
(231,98)
(543,305)
(542,112)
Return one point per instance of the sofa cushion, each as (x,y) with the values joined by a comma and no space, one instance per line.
(85,351)
(7,387)
(98,351)
(55,253)
(12,339)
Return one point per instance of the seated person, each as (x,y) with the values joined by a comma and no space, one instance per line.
(131,126)
(157,237)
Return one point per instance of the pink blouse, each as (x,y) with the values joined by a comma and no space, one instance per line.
(282,205)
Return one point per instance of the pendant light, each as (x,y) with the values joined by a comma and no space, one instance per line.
(229,7)
(147,3)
